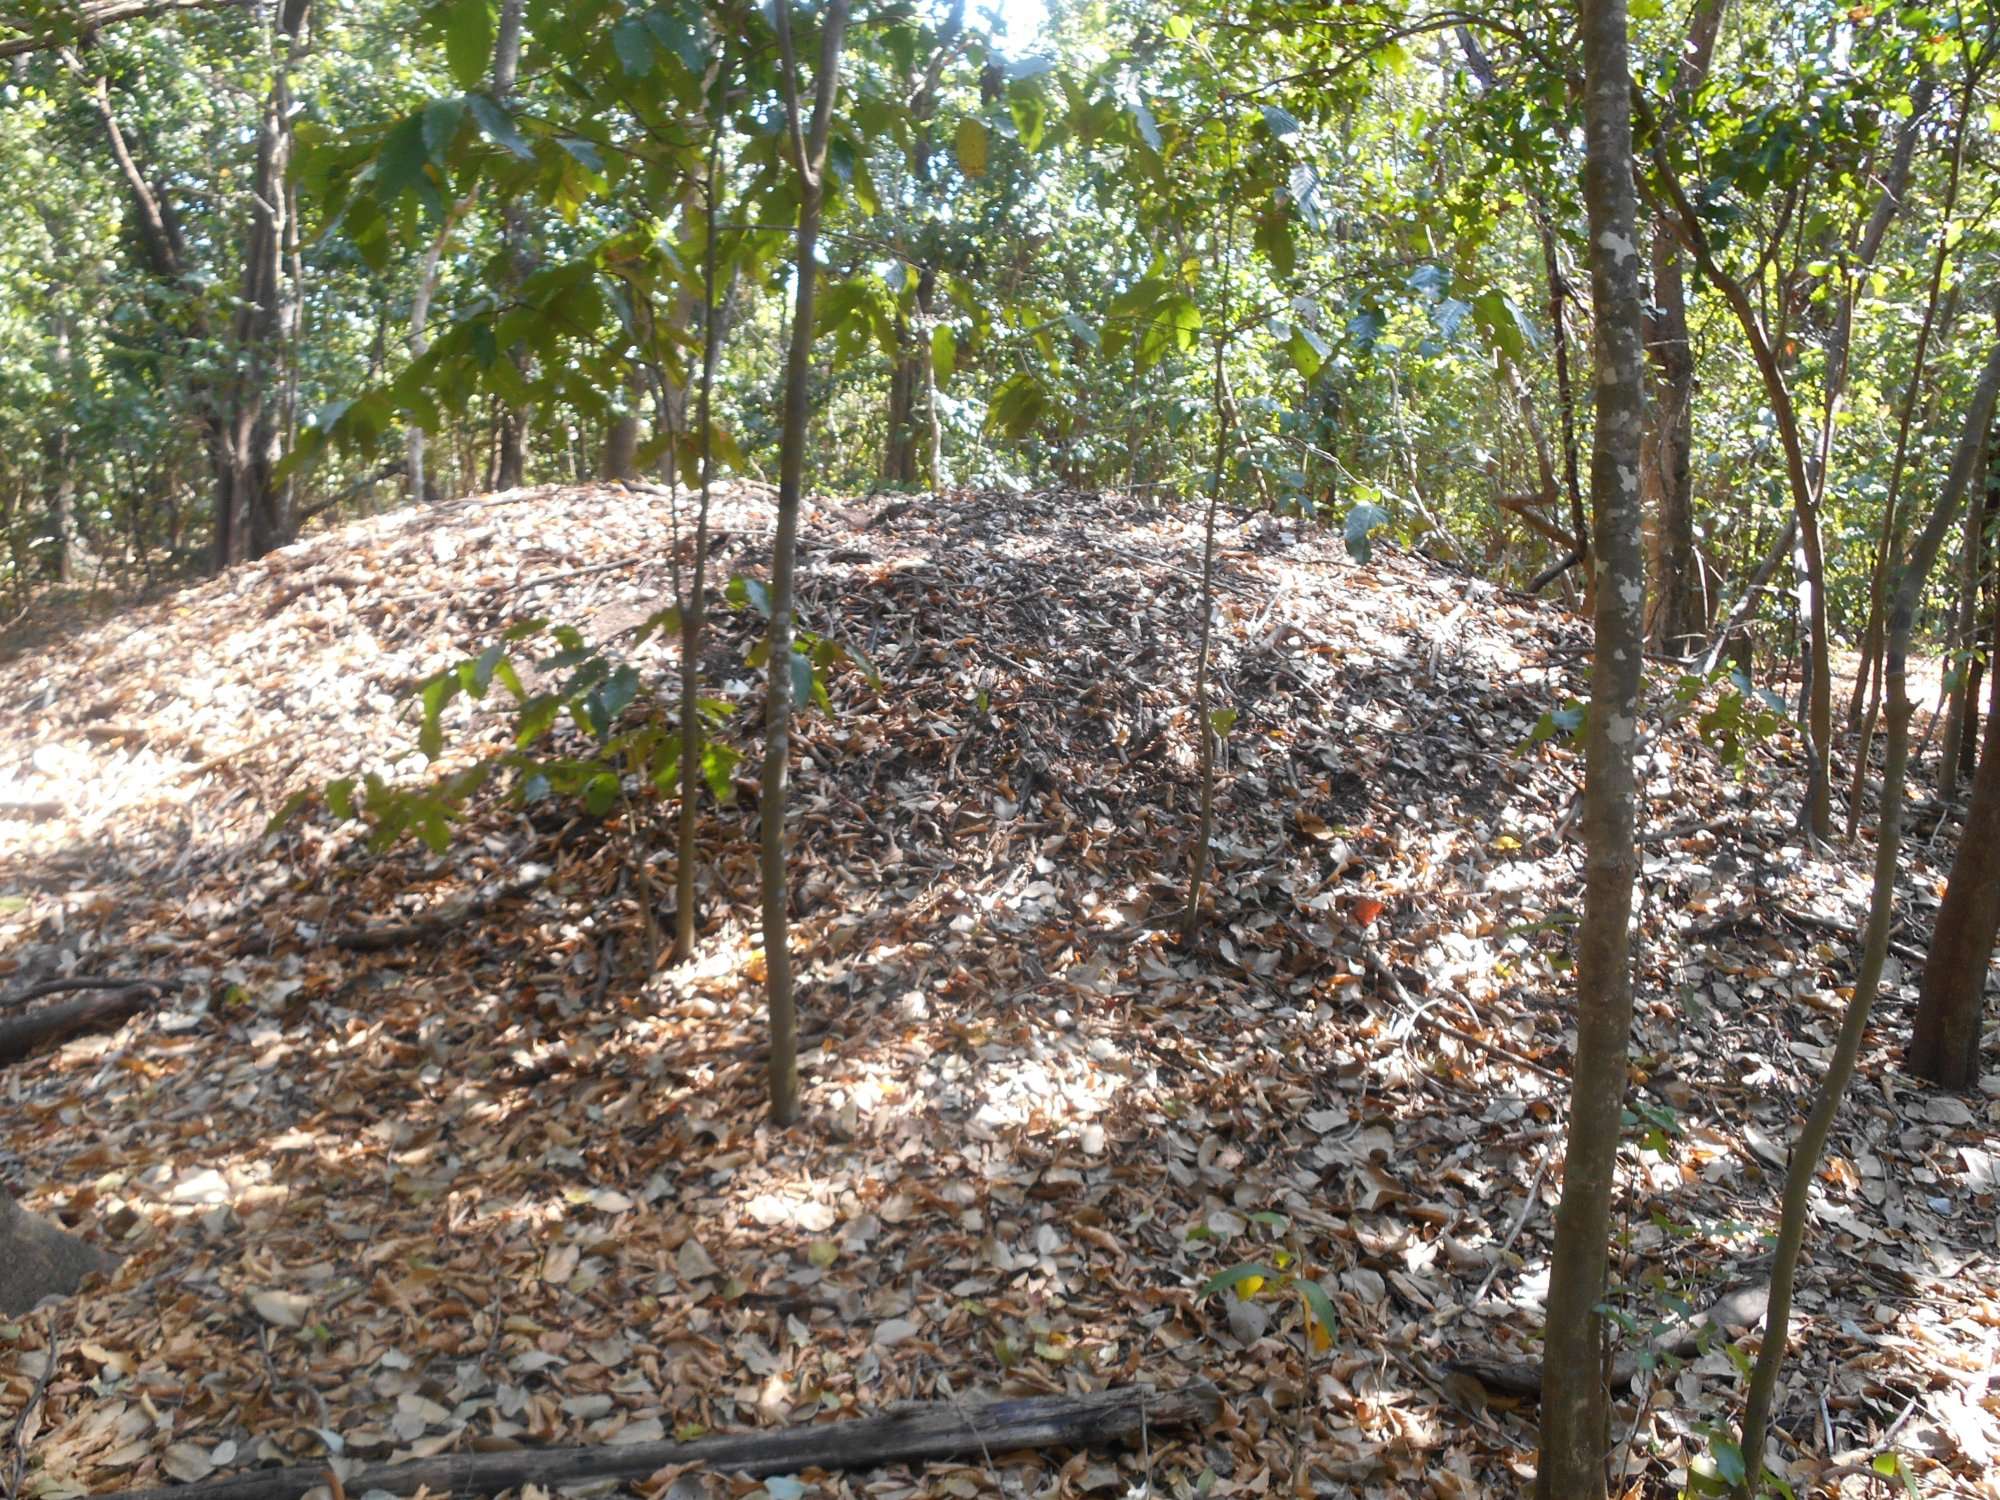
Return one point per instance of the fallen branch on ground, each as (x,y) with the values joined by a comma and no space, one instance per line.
(52,1023)
(83,982)
(1742,1308)
(908,1435)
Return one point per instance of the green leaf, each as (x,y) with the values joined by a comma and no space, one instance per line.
(468,41)
(600,794)
(971,145)
(1222,720)
(535,719)
(1728,1458)
(1432,281)
(498,126)
(748,591)
(439,691)
(1505,324)
(1018,406)
(1273,237)
(442,118)
(400,162)
(803,681)
(1284,125)
(673,32)
(1307,349)
(1361,522)
(340,798)
(1235,1276)
(718,768)
(944,352)
(293,806)
(1319,1307)
(634,45)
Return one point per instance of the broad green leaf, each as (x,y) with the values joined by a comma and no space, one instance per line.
(468,41)
(600,794)
(1018,406)
(633,43)
(400,163)
(1307,349)
(944,352)
(498,126)
(971,144)
(805,686)
(442,118)
(1432,281)
(1283,124)
(743,592)
(1361,523)
(718,769)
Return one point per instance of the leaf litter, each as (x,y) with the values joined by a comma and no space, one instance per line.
(495,1185)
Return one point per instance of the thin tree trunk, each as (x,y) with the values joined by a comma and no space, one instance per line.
(62,500)
(1887,202)
(1817,696)
(510,470)
(1204,727)
(1574,1408)
(808,151)
(694,618)
(1811,1144)
(1674,622)
(1891,521)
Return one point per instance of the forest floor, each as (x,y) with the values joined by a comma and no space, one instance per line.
(495,1183)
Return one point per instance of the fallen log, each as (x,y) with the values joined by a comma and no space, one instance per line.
(21,1035)
(1734,1311)
(909,1434)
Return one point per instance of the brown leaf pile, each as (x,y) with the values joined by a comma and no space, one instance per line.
(499,1185)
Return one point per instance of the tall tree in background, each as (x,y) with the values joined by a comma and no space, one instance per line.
(1574,1439)
(511,468)
(1675,619)
(807,145)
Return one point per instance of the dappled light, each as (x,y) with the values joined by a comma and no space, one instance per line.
(1089,752)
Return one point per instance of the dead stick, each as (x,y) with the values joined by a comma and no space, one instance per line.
(909,1436)
(83,982)
(21,1036)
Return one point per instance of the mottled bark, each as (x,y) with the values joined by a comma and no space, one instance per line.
(1951,1008)
(1574,1405)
